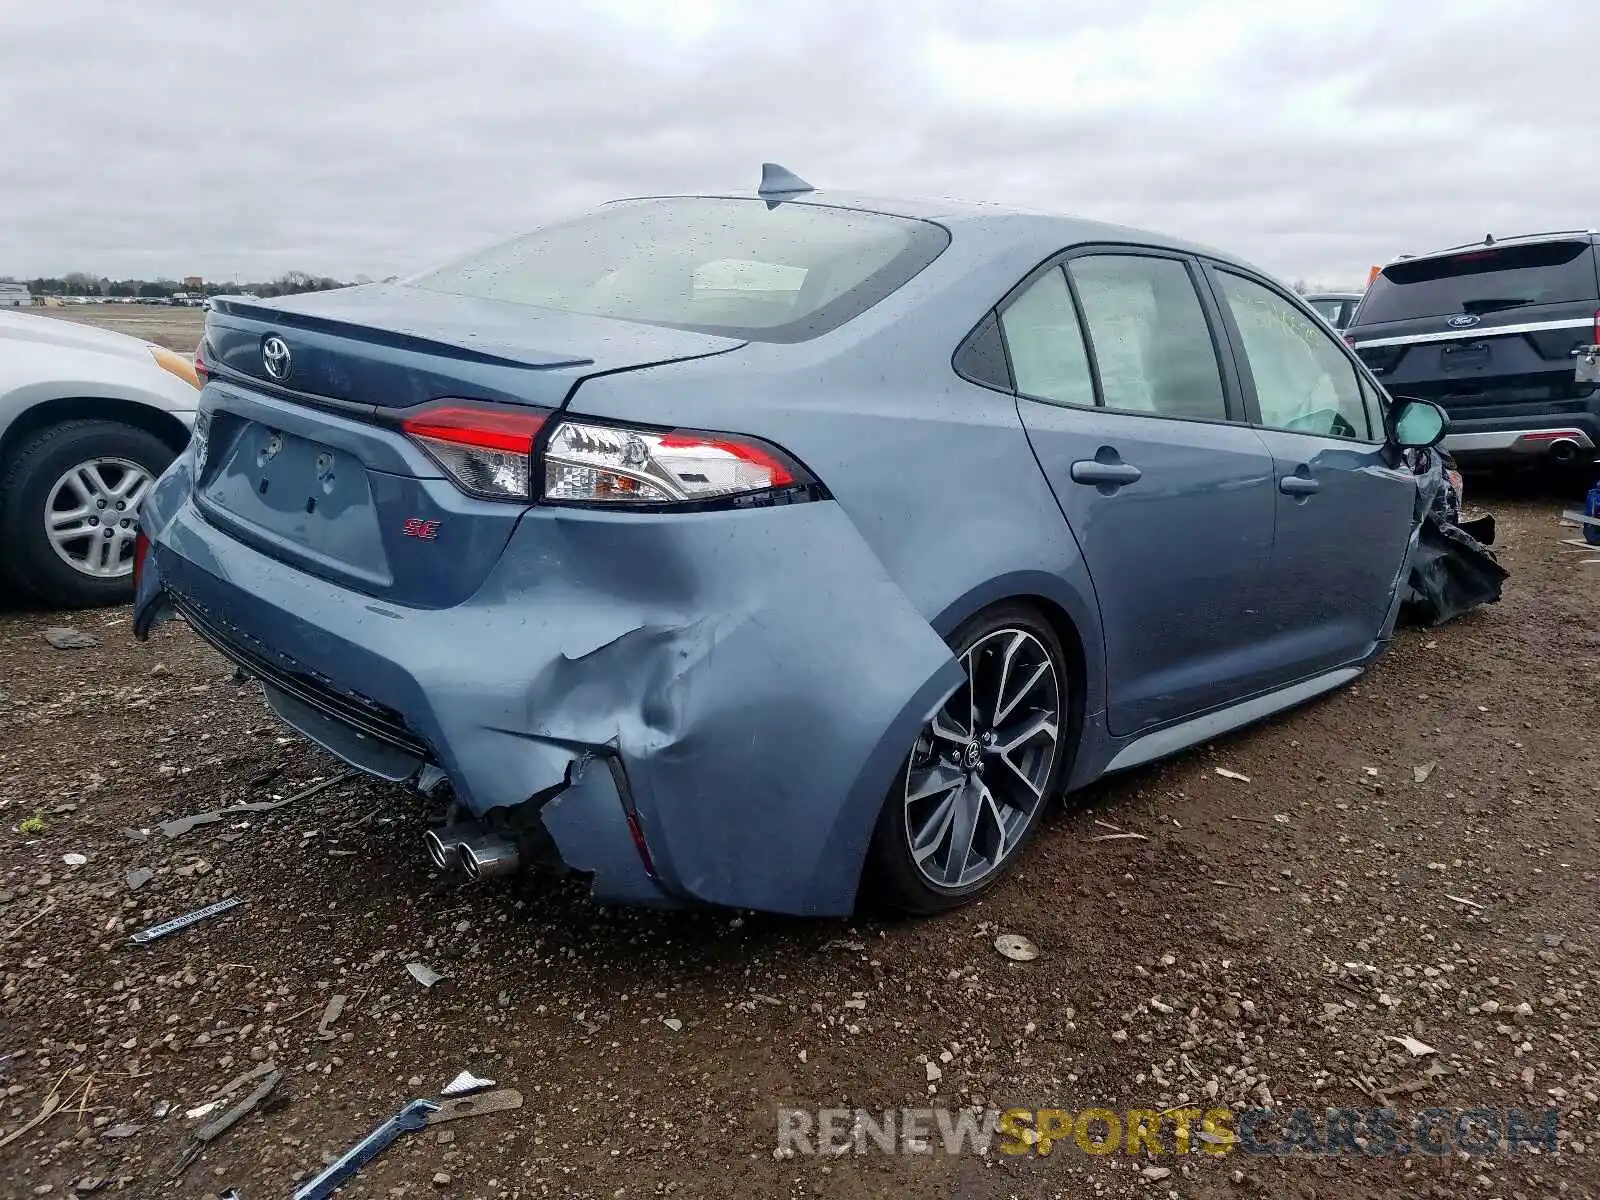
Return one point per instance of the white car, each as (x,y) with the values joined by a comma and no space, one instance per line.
(88,420)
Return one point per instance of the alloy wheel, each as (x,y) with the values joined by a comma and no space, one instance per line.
(92,515)
(978,773)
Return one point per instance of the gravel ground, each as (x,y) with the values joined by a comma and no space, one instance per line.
(1414,856)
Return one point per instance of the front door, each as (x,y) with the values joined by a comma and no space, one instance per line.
(1166,488)
(1346,503)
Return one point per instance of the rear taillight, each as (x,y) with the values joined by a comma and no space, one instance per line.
(200,368)
(486,450)
(496,452)
(1597,327)
(1349,339)
(141,550)
(587,463)
(636,831)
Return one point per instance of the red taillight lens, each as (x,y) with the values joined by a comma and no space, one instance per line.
(486,450)
(1349,340)
(200,368)
(639,844)
(141,550)
(1597,328)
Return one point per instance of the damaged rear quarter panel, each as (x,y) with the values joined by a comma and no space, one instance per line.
(758,674)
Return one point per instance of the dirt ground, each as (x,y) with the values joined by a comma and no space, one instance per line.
(1412,856)
(175,328)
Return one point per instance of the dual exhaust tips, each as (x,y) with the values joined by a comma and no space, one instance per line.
(473,849)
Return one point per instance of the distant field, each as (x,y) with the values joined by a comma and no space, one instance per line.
(174,328)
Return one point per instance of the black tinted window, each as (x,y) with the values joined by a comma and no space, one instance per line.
(1482,281)
(734,267)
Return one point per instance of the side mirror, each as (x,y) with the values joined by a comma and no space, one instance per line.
(1418,423)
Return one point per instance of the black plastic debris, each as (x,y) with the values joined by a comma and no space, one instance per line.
(1453,570)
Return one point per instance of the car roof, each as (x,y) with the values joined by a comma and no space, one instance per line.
(1521,239)
(1332,296)
(1049,232)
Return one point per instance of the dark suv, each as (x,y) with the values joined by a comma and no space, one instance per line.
(1500,333)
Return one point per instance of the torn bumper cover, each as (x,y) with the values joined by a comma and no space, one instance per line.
(748,708)
(1450,571)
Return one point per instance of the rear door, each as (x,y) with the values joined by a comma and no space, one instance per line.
(1167,489)
(1344,513)
(1487,332)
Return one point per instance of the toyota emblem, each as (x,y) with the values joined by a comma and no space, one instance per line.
(275,357)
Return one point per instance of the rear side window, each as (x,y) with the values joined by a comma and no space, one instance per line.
(725,266)
(1482,281)
(1150,337)
(1048,360)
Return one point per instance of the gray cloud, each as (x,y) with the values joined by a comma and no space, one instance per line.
(182,137)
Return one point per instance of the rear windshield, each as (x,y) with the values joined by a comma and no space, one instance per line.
(733,267)
(1481,282)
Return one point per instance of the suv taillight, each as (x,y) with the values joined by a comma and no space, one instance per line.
(1597,327)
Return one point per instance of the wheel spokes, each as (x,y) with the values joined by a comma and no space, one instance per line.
(74,519)
(89,515)
(1024,689)
(926,843)
(961,824)
(928,782)
(85,481)
(132,490)
(990,809)
(963,830)
(1029,729)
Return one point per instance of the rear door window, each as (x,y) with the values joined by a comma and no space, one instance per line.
(1152,343)
(1482,281)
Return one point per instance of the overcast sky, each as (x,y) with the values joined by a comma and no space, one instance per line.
(243,139)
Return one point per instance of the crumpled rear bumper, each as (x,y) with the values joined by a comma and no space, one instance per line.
(756,677)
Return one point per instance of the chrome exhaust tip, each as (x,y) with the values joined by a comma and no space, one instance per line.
(489,857)
(444,844)
(1564,450)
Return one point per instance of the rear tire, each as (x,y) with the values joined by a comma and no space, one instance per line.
(981,773)
(49,553)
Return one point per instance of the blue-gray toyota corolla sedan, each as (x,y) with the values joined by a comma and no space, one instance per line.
(767,550)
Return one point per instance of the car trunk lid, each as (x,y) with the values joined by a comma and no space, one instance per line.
(307,463)
(394,346)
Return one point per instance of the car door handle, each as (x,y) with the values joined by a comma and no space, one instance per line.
(1298,485)
(1103,474)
